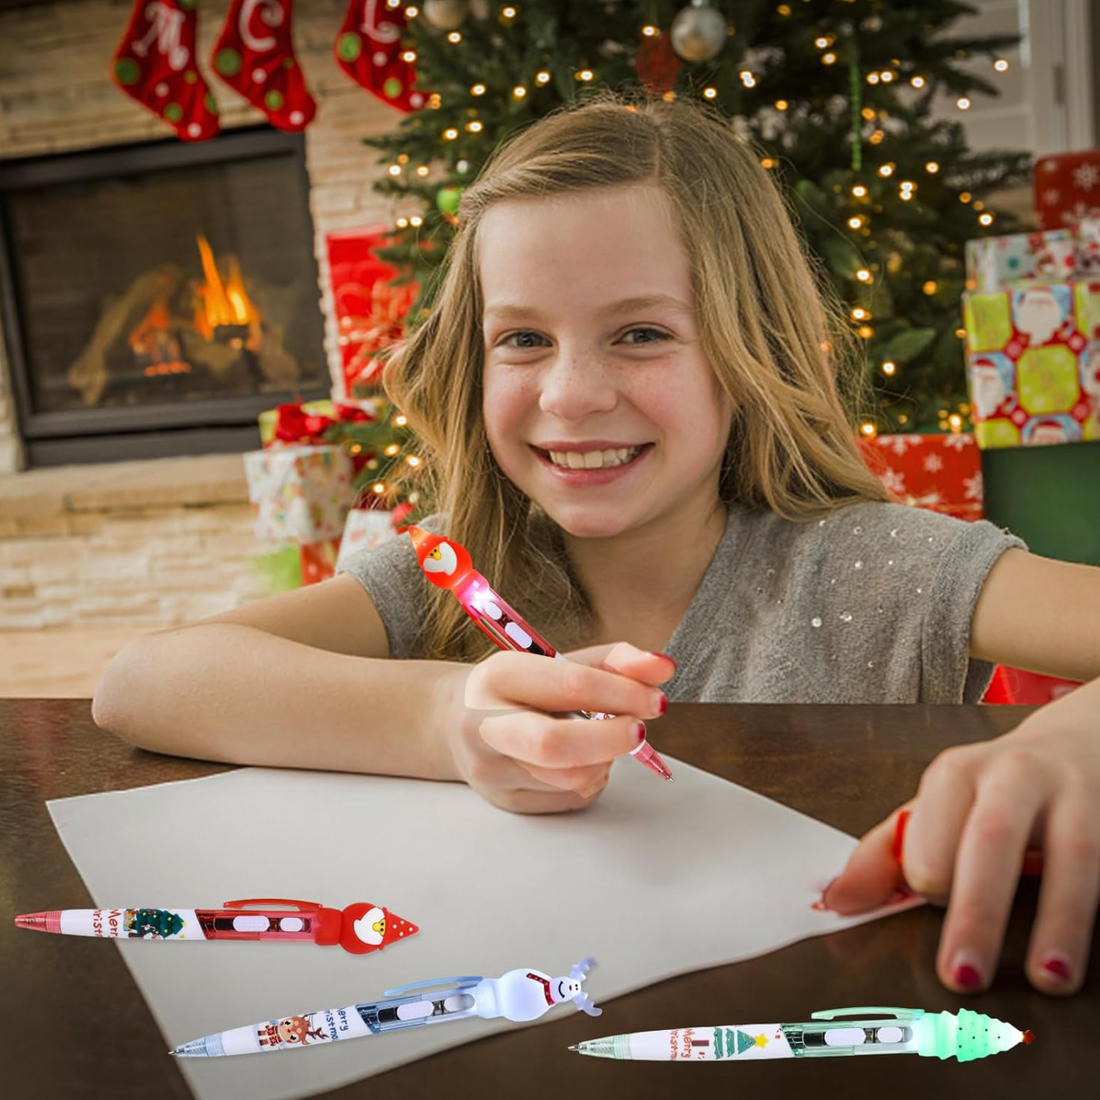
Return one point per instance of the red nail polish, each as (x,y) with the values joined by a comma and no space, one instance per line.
(664,703)
(899,833)
(1058,968)
(639,729)
(967,977)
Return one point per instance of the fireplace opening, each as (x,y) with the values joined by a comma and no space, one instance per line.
(156,298)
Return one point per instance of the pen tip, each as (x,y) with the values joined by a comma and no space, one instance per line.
(573,1048)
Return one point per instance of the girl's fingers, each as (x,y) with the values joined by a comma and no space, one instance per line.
(871,875)
(1010,794)
(538,741)
(940,810)
(523,681)
(629,660)
(1062,935)
(586,783)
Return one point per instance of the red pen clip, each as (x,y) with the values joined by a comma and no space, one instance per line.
(303,905)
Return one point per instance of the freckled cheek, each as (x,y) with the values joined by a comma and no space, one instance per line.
(506,405)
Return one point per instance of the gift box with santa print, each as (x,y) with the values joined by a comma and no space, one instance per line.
(941,472)
(1033,364)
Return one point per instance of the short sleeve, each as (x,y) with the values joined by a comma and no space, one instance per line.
(393,580)
(948,673)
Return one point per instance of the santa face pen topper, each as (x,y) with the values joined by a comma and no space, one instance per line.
(447,564)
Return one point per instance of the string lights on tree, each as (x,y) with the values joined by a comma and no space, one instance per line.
(845,101)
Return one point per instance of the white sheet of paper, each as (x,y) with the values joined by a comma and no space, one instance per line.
(654,880)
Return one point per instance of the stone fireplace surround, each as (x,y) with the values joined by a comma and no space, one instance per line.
(165,541)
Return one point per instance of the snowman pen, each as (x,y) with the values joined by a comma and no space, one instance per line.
(520,995)
(447,564)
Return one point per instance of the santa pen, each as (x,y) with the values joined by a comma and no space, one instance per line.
(447,565)
(359,928)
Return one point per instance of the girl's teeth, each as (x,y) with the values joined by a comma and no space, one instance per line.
(593,460)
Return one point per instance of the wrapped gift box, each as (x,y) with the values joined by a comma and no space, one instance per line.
(366,528)
(1067,188)
(369,311)
(940,472)
(1020,259)
(317,560)
(299,494)
(1033,364)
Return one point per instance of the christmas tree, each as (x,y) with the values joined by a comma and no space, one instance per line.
(837,95)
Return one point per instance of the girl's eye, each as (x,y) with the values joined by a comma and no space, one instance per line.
(524,340)
(651,335)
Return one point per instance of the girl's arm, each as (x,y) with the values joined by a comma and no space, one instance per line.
(1041,615)
(296,680)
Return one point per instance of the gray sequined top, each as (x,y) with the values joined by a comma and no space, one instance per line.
(872,605)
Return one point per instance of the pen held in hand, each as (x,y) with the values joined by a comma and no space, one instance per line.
(447,564)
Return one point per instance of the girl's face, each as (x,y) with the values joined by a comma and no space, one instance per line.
(599,403)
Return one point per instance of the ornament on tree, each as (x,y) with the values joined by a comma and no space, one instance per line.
(447,200)
(368,48)
(657,64)
(254,55)
(155,64)
(698,32)
(446,15)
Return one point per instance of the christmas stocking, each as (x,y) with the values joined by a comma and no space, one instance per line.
(255,57)
(155,63)
(368,48)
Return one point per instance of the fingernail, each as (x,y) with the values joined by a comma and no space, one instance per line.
(823,903)
(1058,968)
(965,973)
(662,703)
(667,658)
(639,729)
(899,833)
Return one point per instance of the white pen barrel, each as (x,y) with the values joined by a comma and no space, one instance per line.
(740,1042)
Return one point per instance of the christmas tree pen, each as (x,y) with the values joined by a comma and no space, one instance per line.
(447,565)
(359,928)
(966,1035)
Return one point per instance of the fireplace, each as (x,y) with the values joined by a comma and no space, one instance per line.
(156,298)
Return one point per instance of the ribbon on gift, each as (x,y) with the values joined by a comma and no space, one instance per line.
(305,424)
(370,335)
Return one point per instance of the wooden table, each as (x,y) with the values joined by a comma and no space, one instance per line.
(76,1025)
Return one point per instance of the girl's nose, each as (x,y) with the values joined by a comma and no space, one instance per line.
(577,385)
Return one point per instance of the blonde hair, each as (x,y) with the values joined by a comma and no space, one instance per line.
(776,340)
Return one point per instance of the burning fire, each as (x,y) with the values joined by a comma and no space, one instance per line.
(223,313)
(225,305)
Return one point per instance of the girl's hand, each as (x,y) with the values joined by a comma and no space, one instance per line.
(978,810)
(513,745)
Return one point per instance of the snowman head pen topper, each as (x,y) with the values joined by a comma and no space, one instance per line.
(520,995)
(447,564)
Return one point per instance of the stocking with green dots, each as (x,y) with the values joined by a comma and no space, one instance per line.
(254,55)
(369,49)
(155,64)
